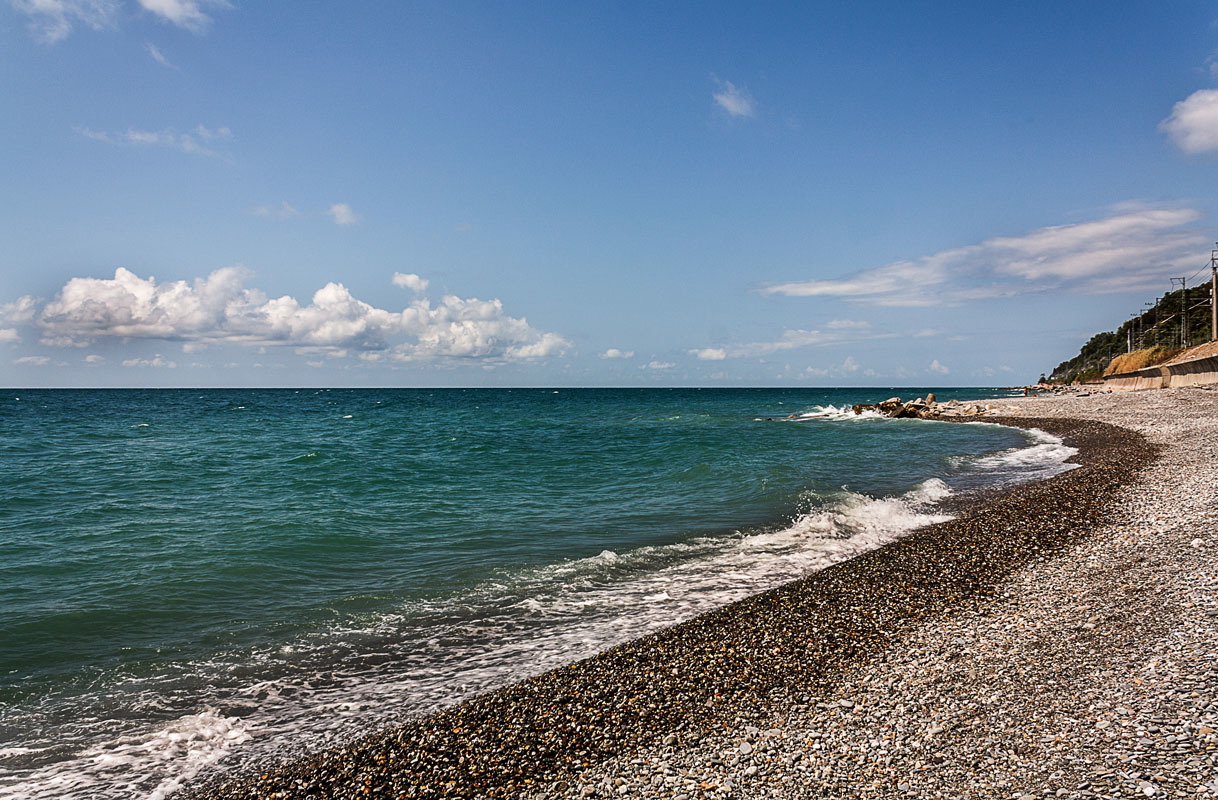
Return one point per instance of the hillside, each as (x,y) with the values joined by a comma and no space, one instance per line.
(1157,328)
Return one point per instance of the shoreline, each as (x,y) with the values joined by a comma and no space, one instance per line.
(672,691)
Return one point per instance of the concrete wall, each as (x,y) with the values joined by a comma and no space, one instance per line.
(1166,376)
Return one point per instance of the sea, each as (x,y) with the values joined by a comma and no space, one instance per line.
(196,582)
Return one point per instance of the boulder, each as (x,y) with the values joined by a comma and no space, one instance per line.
(930,398)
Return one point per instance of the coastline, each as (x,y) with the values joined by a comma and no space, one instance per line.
(603,726)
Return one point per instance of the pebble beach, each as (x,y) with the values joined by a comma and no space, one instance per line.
(1055,639)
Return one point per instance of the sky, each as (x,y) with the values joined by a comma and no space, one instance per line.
(211,193)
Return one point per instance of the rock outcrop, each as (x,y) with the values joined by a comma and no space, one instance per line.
(922,409)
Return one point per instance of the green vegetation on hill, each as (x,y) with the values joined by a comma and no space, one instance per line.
(1157,327)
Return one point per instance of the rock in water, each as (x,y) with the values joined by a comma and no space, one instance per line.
(930,398)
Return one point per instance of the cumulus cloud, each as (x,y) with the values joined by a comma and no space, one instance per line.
(735,101)
(18,312)
(51,21)
(613,352)
(1129,250)
(186,14)
(94,359)
(790,340)
(408,280)
(8,335)
(1193,124)
(938,368)
(219,309)
(342,214)
(196,142)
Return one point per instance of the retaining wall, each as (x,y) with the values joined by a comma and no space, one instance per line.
(1192,372)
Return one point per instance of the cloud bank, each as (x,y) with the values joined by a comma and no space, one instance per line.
(219,309)
(1127,251)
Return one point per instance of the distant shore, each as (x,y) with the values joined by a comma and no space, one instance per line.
(963,660)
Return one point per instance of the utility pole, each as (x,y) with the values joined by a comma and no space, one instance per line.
(1214,294)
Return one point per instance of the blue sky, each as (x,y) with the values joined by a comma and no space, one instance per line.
(451,194)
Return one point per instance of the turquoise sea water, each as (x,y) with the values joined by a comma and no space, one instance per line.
(194,580)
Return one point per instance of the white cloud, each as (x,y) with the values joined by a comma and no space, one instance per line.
(157,55)
(733,100)
(219,309)
(94,359)
(52,20)
(938,368)
(1193,124)
(613,352)
(791,340)
(155,361)
(20,311)
(8,335)
(408,280)
(192,143)
(658,365)
(32,361)
(283,211)
(1129,250)
(186,14)
(342,214)
(848,367)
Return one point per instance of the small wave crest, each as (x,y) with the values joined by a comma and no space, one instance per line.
(828,412)
(1045,456)
(153,765)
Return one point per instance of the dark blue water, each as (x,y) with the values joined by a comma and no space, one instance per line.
(196,579)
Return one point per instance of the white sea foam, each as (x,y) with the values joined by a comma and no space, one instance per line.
(152,765)
(1046,456)
(828,412)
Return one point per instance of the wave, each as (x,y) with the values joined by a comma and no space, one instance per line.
(1045,456)
(828,412)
